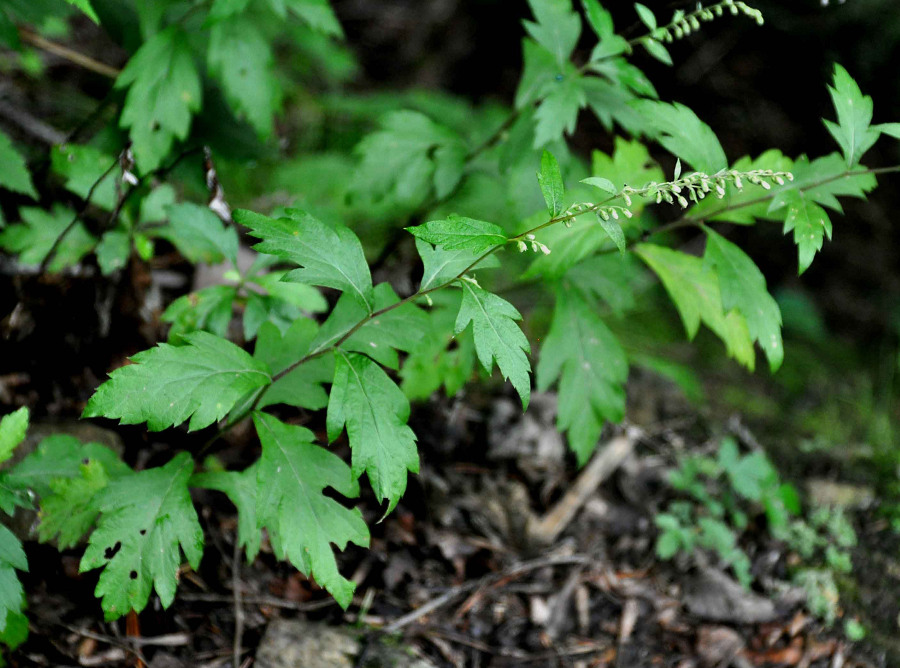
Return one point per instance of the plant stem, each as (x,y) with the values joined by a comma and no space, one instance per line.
(71,55)
(682,222)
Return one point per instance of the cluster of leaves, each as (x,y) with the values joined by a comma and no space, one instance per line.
(371,352)
(726,493)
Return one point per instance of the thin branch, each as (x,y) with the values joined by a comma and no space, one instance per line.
(482,583)
(78,214)
(566,216)
(237,650)
(66,53)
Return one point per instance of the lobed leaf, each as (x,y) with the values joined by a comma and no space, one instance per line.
(743,287)
(13,427)
(302,387)
(591,367)
(854,113)
(330,257)
(240,57)
(408,157)
(556,27)
(33,238)
(557,112)
(164,91)
(684,135)
(145,517)
(12,595)
(497,336)
(199,234)
(374,410)
(400,328)
(240,487)
(302,521)
(810,224)
(441,266)
(694,288)
(168,385)
(14,174)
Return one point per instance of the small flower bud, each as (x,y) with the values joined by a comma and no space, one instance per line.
(683,202)
(521,245)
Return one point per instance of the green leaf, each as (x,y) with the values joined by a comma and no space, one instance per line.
(318,14)
(14,173)
(166,385)
(605,185)
(890,129)
(164,91)
(60,456)
(598,18)
(302,521)
(556,27)
(822,181)
(331,257)
(442,266)
(646,16)
(209,309)
(144,518)
(85,6)
(810,224)
(113,251)
(70,510)
(684,135)
(461,233)
(743,287)
(613,278)
(222,9)
(12,595)
(199,234)
(854,112)
(629,165)
(442,358)
(551,184)
(745,206)
(657,50)
(240,486)
(9,36)
(35,236)
(408,157)
(374,410)
(240,57)
(12,432)
(614,230)
(591,367)
(302,387)
(694,288)
(557,113)
(497,336)
(400,328)
(539,71)
(667,545)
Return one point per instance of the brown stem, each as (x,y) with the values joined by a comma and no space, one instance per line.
(66,53)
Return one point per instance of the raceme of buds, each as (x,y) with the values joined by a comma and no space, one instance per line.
(683,24)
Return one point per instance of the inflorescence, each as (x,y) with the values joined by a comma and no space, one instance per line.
(683,24)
